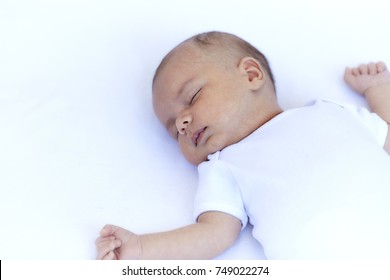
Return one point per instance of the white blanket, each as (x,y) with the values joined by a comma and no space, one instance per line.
(79,143)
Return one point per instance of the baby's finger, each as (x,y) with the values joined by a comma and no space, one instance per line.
(110,230)
(110,256)
(105,246)
(363,68)
(356,71)
(104,238)
(372,68)
(381,66)
(118,232)
(349,75)
(348,71)
(106,230)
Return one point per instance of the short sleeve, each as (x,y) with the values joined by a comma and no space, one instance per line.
(218,191)
(376,125)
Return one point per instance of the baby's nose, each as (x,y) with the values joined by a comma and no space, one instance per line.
(182,122)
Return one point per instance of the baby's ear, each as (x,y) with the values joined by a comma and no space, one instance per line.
(252,71)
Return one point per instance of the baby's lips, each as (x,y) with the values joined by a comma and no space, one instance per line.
(197,136)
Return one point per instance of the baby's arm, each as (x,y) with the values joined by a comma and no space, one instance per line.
(211,235)
(373,81)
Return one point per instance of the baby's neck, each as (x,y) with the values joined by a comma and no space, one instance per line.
(268,109)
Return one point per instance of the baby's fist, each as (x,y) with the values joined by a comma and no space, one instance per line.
(367,76)
(116,243)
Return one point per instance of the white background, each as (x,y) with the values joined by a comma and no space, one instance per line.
(79,144)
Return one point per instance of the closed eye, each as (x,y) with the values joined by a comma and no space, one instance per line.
(193,97)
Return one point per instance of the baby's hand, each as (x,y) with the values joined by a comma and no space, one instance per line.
(367,76)
(116,243)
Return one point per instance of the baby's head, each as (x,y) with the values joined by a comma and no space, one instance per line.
(211,91)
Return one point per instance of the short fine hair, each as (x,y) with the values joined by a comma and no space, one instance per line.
(225,44)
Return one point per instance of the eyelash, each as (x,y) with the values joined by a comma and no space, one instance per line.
(193,97)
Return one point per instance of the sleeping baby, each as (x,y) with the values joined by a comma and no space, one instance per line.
(313,181)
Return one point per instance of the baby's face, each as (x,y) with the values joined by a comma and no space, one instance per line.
(205,105)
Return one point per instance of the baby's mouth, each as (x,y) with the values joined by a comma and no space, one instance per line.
(197,136)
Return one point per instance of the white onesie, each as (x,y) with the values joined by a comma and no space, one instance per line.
(314,182)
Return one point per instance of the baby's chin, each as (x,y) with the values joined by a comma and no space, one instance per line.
(201,155)
(196,159)
(213,144)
